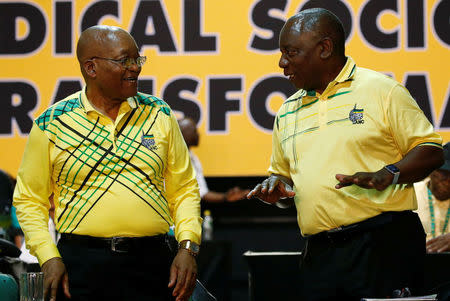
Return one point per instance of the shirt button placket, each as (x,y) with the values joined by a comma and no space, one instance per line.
(322,112)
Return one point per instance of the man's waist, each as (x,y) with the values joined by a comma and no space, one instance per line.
(375,222)
(117,244)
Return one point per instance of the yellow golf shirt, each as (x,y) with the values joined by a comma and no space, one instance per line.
(132,177)
(363,121)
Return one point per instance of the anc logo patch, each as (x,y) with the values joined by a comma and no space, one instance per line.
(149,142)
(356,115)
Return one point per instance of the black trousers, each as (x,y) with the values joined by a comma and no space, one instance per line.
(98,273)
(370,263)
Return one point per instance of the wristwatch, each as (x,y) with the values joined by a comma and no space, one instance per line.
(393,170)
(191,246)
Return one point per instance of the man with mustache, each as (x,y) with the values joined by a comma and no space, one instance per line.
(116,165)
(346,149)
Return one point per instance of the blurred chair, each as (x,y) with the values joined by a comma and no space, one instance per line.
(9,290)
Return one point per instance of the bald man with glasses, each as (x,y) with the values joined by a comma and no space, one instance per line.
(116,165)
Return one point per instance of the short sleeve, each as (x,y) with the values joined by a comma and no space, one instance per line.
(409,125)
(278,162)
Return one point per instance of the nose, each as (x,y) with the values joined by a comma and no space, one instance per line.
(283,62)
(134,67)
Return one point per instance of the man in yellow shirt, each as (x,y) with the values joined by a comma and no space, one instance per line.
(347,147)
(116,165)
(433,200)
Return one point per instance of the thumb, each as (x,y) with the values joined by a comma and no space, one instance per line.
(287,190)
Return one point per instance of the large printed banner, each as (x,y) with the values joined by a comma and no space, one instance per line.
(214,60)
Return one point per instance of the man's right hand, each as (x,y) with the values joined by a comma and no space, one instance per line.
(55,275)
(272,189)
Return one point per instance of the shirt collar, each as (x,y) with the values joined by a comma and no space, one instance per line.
(130,104)
(347,73)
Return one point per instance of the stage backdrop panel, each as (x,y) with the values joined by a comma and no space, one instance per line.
(214,60)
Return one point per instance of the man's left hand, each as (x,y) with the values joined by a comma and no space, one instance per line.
(379,180)
(439,244)
(183,273)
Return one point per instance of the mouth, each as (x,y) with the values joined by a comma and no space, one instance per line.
(290,76)
(131,79)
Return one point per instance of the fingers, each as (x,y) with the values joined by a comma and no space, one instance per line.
(436,245)
(260,191)
(181,278)
(50,287)
(344,180)
(188,287)
(46,289)
(267,186)
(185,284)
(65,285)
(271,190)
(255,191)
(366,180)
(272,182)
(432,248)
(286,191)
(53,290)
(173,276)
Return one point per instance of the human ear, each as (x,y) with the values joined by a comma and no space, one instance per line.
(89,68)
(327,46)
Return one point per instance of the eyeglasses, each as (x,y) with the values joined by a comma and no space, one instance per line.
(125,62)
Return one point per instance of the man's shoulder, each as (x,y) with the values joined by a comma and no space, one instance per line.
(58,109)
(375,77)
(153,101)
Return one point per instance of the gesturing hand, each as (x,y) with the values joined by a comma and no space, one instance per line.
(379,180)
(272,189)
(439,244)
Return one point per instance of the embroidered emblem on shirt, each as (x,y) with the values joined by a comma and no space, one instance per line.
(356,115)
(149,142)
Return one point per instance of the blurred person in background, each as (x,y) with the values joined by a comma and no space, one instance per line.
(191,137)
(9,225)
(433,199)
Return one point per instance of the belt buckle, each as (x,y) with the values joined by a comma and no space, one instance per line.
(115,241)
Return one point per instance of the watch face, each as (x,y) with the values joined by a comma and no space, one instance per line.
(392,168)
(194,247)
(191,246)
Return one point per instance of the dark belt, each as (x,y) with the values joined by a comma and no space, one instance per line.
(116,244)
(346,232)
